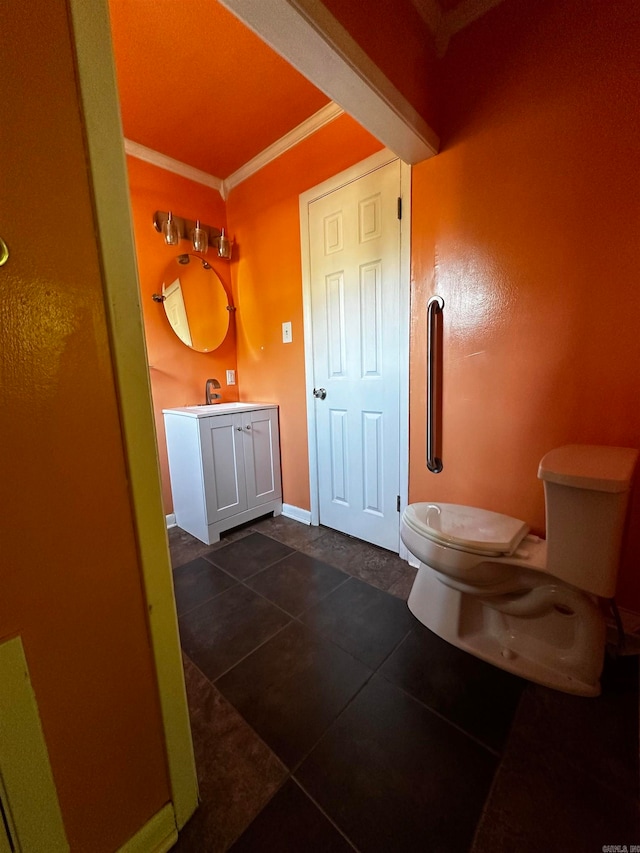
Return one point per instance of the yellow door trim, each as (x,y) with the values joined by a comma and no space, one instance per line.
(27,790)
(105,151)
(157,835)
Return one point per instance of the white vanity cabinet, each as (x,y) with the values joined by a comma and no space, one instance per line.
(224,463)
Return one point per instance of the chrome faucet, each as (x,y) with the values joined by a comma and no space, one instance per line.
(209,391)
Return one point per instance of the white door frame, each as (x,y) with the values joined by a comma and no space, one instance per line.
(376,161)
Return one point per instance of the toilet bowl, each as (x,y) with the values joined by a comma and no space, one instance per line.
(528,605)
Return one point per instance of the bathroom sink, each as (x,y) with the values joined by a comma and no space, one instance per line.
(203,410)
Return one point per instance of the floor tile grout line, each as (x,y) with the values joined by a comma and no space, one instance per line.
(347,651)
(372,673)
(487,799)
(324,598)
(394,649)
(330,725)
(264,568)
(255,649)
(244,583)
(296,549)
(243,718)
(236,582)
(268,600)
(347,578)
(207,600)
(296,618)
(257,815)
(291,619)
(325,813)
(289,771)
(495,753)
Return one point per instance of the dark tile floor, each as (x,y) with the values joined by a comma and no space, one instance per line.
(326,718)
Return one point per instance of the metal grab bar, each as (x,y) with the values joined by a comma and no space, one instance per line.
(434,308)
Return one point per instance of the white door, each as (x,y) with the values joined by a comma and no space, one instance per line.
(354,249)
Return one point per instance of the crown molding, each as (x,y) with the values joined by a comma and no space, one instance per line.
(443,25)
(306,128)
(431,14)
(148,155)
(309,126)
(465,13)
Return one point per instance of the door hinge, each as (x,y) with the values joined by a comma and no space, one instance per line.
(399,207)
(398,504)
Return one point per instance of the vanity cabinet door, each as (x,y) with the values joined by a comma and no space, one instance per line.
(261,456)
(223,466)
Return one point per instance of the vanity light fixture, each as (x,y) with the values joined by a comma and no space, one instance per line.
(175,228)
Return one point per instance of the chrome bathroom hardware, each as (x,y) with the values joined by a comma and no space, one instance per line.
(210,387)
(320,393)
(434,382)
(175,228)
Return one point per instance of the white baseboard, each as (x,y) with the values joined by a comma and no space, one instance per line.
(171,520)
(297,514)
(157,836)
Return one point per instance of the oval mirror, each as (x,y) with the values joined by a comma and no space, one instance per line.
(195,302)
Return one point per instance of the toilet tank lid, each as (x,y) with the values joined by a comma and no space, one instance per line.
(587,466)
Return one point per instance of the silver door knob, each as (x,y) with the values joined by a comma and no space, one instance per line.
(320,393)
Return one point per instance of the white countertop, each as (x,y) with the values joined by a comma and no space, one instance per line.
(205,411)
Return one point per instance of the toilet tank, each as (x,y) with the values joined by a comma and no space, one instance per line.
(586,495)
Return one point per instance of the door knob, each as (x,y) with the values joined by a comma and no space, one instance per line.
(320,393)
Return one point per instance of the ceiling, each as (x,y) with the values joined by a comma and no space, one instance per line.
(196,85)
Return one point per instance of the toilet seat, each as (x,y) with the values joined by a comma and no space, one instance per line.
(466,528)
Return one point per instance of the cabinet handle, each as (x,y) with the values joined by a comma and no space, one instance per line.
(247,427)
(239,429)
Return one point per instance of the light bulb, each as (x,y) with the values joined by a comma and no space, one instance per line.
(200,239)
(170,230)
(224,246)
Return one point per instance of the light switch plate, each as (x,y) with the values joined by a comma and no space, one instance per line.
(286,333)
(231,377)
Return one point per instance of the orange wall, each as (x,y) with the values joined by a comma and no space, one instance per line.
(263,214)
(70,578)
(178,374)
(527,224)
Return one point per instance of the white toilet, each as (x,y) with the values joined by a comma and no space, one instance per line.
(528,605)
